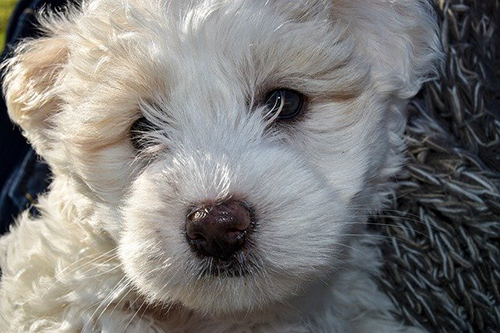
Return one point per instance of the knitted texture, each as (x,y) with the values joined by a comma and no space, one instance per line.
(441,237)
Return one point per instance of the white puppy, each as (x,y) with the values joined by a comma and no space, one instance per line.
(214,163)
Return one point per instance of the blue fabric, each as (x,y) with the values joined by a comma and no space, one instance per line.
(23,175)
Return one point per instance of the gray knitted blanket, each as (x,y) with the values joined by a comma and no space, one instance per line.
(441,237)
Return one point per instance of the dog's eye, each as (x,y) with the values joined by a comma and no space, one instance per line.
(285,103)
(137,133)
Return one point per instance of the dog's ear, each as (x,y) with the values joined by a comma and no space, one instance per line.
(400,37)
(30,87)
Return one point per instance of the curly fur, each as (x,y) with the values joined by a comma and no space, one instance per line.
(109,253)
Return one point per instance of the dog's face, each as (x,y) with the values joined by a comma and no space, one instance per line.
(229,147)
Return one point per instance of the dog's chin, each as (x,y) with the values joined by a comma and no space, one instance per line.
(236,266)
(220,287)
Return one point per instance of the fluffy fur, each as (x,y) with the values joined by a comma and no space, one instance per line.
(109,254)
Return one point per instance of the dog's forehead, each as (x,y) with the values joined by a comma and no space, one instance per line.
(241,29)
(254,41)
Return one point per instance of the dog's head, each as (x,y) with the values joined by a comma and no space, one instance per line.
(229,147)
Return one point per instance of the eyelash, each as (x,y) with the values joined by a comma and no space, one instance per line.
(282,105)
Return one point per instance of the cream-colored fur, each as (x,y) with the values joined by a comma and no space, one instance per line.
(109,253)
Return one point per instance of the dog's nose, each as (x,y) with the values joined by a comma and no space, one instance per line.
(218,230)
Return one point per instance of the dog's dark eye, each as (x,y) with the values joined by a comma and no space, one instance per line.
(138,132)
(284,102)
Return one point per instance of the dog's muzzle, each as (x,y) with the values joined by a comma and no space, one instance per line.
(219,230)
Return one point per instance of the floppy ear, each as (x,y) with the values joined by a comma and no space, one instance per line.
(30,88)
(400,36)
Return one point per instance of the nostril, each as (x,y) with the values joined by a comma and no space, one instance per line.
(196,236)
(218,230)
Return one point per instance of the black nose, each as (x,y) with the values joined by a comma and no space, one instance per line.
(218,230)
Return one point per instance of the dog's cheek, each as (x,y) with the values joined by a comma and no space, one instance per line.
(350,143)
(150,244)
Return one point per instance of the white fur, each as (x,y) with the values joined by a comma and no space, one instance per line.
(108,253)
